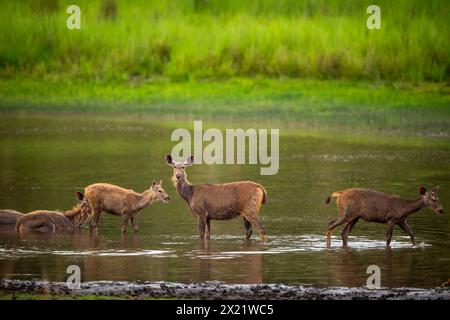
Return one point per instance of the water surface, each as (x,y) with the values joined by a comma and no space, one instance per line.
(43,161)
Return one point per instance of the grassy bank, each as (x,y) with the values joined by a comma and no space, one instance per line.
(182,40)
(311,65)
(398,108)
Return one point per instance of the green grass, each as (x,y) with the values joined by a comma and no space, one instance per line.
(181,40)
(342,106)
(302,64)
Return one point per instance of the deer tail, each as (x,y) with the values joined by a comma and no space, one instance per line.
(333,195)
(264,199)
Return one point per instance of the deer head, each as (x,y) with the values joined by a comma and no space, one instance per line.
(179,168)
(82,210)
(159,193)
(431,200)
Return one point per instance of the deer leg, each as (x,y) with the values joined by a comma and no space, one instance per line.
(257,223)
(333,224)
(94,220)
(346,231)
(202,227)
(37,224)
(344,235)
(406,227)
(125,218)
(248,229)
(389,231)
(134,223)
(208,228)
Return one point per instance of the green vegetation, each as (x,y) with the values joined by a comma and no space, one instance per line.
(180,40)
(311,105)
(310,64)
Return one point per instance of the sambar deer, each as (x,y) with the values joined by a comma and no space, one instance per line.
(8,219)
(46,221)
(219,201)
(122,202)
(374,206)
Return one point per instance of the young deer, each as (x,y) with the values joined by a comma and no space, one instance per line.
(118,201)
(219,201)
(54,221)
(374,206)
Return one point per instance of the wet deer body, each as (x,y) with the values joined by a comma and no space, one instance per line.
(115,200)
(8,219)
(374,206)
(47,221)
(220,201)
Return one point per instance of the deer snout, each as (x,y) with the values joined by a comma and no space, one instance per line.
(178,176)
(440,211)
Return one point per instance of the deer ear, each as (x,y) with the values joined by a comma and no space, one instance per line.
(422,190)
(79,196)
(169,159)
(160,182)
(153,183)
(435,190)
(189,161)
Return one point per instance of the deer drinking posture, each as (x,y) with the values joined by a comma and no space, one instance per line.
(122,202)
(219,201)
(374,206)
(54,221)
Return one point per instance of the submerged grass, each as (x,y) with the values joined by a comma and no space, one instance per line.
(352,107)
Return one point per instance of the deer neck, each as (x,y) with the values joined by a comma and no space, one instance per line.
(72,213)
(185,189)
(148,197)
(413,206)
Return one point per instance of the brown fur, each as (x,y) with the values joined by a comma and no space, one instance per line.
(116,200)
(374,206)
(46,221)
(220,201)
(8,219)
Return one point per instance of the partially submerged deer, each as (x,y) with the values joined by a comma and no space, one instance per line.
(118,201)
(46,221)
(219,201)
(374,206)
(8,219)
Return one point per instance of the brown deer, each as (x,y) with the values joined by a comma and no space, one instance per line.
(46,221)
(374,206)
(118,201)
(219,201)
(8,219)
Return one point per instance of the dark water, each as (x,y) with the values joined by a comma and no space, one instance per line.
(43,161)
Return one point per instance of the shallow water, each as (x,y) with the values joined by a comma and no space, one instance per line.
(43,161)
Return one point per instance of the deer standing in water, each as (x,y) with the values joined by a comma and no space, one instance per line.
(46,221)
(374,206)
(122,202)
(219,201)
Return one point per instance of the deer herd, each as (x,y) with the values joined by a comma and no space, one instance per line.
(208,202)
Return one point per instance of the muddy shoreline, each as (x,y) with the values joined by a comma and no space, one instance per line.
(218,290)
